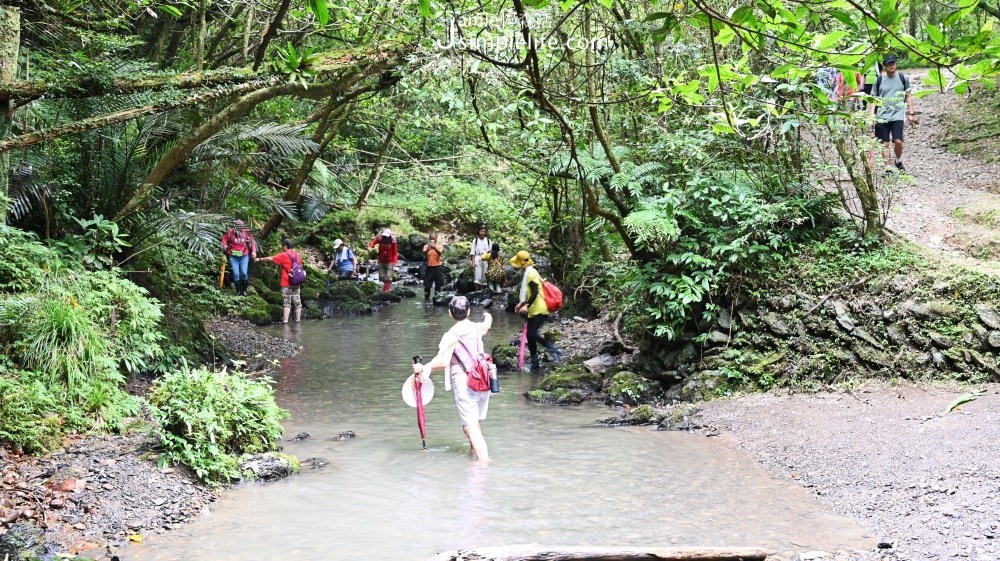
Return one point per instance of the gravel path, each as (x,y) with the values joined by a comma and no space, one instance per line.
(925,211)
(924,482)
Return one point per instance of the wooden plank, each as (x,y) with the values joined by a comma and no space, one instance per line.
(569,553)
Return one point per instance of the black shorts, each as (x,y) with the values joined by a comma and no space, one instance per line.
(893,128)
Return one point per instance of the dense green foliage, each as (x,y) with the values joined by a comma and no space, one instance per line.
(662,158)
(208,419)
(69,336)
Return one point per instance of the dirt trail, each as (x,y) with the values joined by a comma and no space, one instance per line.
(947,207)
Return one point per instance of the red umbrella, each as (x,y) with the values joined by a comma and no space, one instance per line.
(524,341)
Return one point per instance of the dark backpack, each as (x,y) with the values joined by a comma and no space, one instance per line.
(877,91)
(296,274)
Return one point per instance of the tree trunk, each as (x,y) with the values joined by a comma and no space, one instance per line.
(366,191)
(272,31)
(353,69)
(541,553)
(100,121)
(199,44)
(10,39)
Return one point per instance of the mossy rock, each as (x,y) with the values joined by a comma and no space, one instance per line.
(629,388)
(552,335)
(309,293)
(572,376)
(505,357)
(560,396)
(355,307)
(368,288)
(344,291)
(255,309)
(384,297)
(271,296)
(403,292)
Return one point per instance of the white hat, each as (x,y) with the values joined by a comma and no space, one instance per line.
(337,243)
(410,395)
(387,233)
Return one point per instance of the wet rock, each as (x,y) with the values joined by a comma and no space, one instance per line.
(600,363)
(505,357)
(611,348)
(300,437)
(24,541)
(346,435)
(486,303)
(560,396)
(267,466)
(988,315)
(641,415)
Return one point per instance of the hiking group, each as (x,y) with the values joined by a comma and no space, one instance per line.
(469,371)
(891,104)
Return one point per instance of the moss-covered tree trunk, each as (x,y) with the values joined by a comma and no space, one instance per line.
(10,38)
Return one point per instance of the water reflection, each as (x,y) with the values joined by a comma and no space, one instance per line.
(556,479)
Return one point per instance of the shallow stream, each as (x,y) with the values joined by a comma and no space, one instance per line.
(557,478)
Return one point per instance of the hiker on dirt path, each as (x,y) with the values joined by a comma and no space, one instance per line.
(344,260)
(532,304)
(481,246)
(434,270)
(239,246)
(388,257)
(893,88)
(455,351)
(289,294)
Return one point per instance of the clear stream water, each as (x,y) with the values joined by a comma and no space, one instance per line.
(557,478)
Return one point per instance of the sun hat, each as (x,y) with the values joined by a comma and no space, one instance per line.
(337,243)
(410,396)
(387,233)
(522,259)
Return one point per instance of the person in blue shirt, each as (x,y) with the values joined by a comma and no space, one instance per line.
(345,261)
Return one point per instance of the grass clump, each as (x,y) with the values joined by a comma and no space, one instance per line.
(209,419)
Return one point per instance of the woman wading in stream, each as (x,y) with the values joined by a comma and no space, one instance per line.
(459,347)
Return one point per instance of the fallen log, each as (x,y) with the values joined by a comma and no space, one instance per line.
(546,553)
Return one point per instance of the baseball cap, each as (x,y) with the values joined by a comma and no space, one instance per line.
(337,243)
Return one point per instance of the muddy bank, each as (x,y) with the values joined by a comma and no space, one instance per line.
(924,482)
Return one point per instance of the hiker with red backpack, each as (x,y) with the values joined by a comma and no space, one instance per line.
(239,246)
(460,354)
(388,257)
(292,276)
(531,303)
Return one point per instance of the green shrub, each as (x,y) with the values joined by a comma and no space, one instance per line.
(208,419)
(29,413)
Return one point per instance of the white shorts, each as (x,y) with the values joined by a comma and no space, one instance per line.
(472,406)
(479,271)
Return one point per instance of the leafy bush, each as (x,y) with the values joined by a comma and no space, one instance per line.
(698,239)
(30,415)
(208,419)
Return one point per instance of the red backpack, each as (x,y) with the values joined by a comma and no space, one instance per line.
(480,372)
(553,296)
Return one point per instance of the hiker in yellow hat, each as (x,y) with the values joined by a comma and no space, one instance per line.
(531,303)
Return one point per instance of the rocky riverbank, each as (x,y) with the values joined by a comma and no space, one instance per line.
(921,476)
(96,493)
